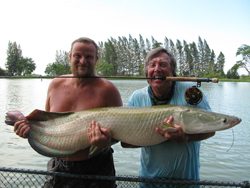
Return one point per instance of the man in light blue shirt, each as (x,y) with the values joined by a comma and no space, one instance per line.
(178,157)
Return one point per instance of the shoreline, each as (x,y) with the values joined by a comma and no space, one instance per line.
(244,79)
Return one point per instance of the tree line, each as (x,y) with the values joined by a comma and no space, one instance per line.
(126,56)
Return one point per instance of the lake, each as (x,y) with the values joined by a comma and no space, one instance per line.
(219,161)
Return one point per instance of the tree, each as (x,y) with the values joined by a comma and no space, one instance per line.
(1,72)
(62,58)
(60,66)
(172,48)
(25,66)
(207,57)
(106,69)
(137,56)
(166,43)
(143,54)
(148,46)
(16,63)
(196,58)
(155,43)
(233,72)
(14,54)
(202,56)
(111,55)
(212,63)
(188,60)
(49,70)
(220,64)
(123,54)
(244,51)
(180,57)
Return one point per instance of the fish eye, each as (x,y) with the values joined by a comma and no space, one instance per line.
(224,120)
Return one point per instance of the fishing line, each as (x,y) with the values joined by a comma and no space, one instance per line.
(232,142)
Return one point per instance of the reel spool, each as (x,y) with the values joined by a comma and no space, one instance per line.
(193,95)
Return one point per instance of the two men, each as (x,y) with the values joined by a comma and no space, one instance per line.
(176,158)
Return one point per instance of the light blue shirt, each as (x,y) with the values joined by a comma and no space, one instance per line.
(170,159)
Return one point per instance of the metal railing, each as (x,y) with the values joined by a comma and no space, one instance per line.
(14,177)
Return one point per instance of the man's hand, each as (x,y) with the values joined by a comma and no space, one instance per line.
(176,136)
(22,128)
(100,137)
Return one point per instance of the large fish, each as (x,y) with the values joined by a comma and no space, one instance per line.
(62,134)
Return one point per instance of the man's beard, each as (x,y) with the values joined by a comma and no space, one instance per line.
(85,74)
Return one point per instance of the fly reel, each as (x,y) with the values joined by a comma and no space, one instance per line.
(193,95)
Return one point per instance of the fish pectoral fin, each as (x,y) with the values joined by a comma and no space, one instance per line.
(40,115)
(93,150)
(168,127)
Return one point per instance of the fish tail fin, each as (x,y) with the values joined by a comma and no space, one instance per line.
(13,116)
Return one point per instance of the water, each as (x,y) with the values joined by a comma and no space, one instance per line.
(217,163)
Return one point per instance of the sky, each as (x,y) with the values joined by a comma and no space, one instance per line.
(43,26)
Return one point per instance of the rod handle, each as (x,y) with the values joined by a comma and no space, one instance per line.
(215,80)
(192,79)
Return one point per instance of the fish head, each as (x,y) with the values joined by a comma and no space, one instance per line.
(203,121)
(233,120)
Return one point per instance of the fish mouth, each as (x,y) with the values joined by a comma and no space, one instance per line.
(235,122)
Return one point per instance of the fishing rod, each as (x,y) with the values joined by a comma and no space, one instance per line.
(192,79)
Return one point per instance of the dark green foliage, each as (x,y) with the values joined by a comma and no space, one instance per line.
(60,66)
(110,56)
(220,64)
(14,53)
(196,58)
(1,72)
(56,69)
(233,72)
(16,64)
(25,66)
(106,69)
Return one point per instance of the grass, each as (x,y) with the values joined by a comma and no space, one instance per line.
(241,79)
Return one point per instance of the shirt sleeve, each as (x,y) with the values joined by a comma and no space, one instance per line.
(140,98)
